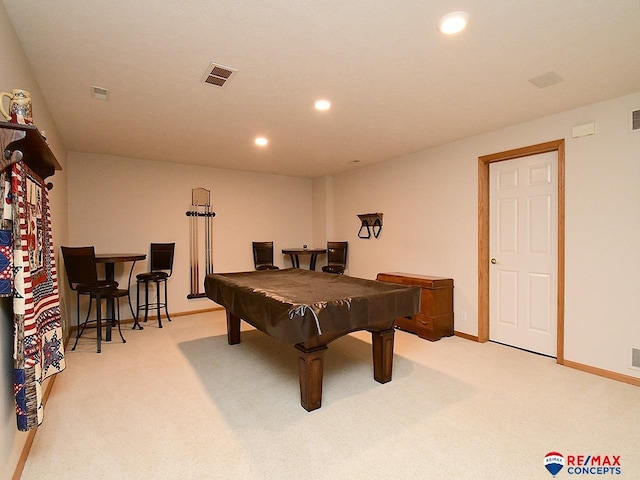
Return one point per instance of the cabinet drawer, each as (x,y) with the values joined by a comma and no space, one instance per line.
(427,327)
(423,322)
(406,323)
(435,302)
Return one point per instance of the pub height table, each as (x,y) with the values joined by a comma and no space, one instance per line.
(295,252)
(109,260)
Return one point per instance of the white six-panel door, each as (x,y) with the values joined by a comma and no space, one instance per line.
(523,251)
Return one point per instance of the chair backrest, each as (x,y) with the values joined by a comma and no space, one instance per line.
(262,254)
(80,265)
(337,253)
(162,257)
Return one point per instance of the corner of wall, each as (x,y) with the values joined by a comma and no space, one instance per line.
(322,209)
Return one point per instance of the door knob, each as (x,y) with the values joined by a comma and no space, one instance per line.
(494,261)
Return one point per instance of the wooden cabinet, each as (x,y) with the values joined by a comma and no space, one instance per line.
(435,319)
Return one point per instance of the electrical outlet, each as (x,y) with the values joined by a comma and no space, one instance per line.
(463,316)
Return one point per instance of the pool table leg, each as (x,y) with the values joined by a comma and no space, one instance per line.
(233,328)
(382,355)
(310,367)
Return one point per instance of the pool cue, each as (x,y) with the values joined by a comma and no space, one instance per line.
(210,219)
(197,250)
(191,270)
(194,247)
(207,252)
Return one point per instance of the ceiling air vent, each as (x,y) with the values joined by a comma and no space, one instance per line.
(546,80)
(634,121)
(99,93)
(217,74)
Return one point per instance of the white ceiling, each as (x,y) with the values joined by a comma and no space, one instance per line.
(397,85)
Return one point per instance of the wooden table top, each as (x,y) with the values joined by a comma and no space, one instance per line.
(119,257)
(299,251)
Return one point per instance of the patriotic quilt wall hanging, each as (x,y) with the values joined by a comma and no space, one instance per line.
(38,337)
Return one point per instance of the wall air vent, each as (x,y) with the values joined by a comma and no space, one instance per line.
(635,358)
(217,74)
(634,120)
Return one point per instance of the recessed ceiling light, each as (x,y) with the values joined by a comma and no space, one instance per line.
(453,22)
(261,141)
(323,105)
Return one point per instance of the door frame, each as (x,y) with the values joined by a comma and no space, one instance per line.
(483,234)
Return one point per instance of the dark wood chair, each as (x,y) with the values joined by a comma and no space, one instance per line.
(82,275)
(336,257)
(161,268)
(263,256)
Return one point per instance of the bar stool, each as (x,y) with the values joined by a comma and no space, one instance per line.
(263,256)
(161,263)
(336,257)
(82,274)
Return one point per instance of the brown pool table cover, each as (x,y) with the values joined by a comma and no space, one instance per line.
(295,305)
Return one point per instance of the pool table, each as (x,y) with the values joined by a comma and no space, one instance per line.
(309,310)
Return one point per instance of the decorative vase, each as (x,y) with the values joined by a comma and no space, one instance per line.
(19,106)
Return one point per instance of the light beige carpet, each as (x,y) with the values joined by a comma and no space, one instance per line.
(180,403)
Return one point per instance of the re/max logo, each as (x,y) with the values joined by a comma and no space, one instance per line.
(593,460)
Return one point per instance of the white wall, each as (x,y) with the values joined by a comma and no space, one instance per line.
(123,204)
(16,73)
(322,189)
(429,201)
